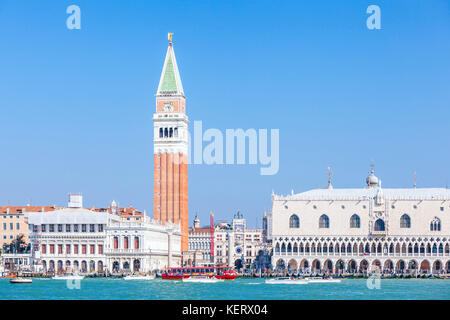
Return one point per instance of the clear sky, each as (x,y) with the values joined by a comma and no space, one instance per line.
(76,105)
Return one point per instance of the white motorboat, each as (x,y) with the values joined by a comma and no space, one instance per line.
(322,280)
(137,277)
(286,280)
(202,279)
(21,280)
(68,277)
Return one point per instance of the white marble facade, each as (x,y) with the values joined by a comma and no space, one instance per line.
(339,230)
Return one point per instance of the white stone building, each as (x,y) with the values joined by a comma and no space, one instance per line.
(352,230)
(199,252)
(78,239)
(142,246)
(237,245)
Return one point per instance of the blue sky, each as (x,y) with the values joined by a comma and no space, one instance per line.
(76,105)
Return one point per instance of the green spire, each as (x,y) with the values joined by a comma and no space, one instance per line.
(169,83)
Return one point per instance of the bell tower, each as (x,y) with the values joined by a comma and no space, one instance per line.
(170,191)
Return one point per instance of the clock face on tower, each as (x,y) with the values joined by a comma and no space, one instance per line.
(168,107)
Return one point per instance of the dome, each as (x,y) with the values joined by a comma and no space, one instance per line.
(372,180)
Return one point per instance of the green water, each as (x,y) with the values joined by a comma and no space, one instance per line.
(103,289)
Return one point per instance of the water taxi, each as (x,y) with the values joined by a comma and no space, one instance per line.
(139,277)
(286,280)
(68,277)
(202,279)
(222,273)
(21,280)
(322,280)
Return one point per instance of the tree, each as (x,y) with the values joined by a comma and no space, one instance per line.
(18,245)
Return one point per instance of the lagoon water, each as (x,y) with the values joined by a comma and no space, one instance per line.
(106,289)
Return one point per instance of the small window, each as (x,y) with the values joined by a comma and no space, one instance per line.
(355,221)
(324,221)
(442,208)
(405,221)
(294,221)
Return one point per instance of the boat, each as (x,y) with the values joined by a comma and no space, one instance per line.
(286,280)
(322,280)
(68,277)
(222,273)
(21,280)
(202,279)
(139,277)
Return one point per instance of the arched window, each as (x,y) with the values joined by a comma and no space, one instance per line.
(170,132)
(175,132)
(324,221)
(294,221)
(379,225)
(166,133)
(435,224)
(405,221)
(277,248)
(161,134)
(355,221)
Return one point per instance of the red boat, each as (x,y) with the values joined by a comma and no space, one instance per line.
(225,273)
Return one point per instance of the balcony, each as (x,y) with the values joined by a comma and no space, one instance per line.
(126,251)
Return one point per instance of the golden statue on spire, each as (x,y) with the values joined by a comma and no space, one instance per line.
(169,36)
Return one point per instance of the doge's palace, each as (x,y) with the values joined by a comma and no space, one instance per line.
(363,229)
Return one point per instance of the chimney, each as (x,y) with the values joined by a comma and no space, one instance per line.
(75,201)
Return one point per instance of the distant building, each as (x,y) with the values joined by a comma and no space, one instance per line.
(362,229)
(97,240)
(247,247)
(238,246)
(199,252)
(13,221)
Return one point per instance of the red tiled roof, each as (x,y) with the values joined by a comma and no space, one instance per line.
(21,209)
(200,230)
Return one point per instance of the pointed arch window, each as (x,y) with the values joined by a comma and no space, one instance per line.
(161,133)
(379,225)
(405,221)
(355,221)
(435,224)
(324,221)
(294,221)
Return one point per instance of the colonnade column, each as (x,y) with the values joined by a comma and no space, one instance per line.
(169,249)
